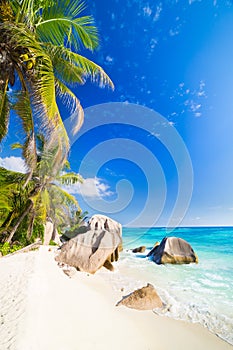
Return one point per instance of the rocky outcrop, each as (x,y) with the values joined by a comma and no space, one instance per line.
(145,298)
(153,249)
(89,251)
(140,249)
(102,222)
(173,250)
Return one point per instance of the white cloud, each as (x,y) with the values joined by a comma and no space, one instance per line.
(109,58)
(173,32)
(158,11)
(13,163)
(193,99)
(91,187)
(153,43)
(147,10)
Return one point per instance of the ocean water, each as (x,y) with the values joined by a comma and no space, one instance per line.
(202,292)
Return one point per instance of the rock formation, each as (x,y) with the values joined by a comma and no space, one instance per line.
(153,249)
(94,246)
(173,250)
(145,298)
(102,222)
(89,251)
(140,249)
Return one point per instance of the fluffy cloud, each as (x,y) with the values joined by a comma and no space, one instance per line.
(91,187)
(13,163)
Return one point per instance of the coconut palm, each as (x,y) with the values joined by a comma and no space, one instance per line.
(42,199)
(13,197)
(40,61)
(40,42)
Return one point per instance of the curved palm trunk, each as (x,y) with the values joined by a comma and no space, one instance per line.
(20,219)
(25,212)
(8,219)
(30,226)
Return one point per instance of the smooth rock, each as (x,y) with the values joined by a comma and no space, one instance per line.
(89,251)
(102,222)
(153,249)
(173,250)
(140,249)
(145,298)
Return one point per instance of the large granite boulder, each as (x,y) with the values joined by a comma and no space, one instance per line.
(145,298)
(173,250)
(91,250)
(102,222)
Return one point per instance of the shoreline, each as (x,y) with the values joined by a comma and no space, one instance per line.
(79,312)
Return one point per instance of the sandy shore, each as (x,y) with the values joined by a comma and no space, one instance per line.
(41,308)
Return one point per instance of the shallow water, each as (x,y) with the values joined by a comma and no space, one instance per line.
(200,292)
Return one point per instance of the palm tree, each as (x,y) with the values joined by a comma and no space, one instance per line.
(39,45)
(40,41)
(41,199)
(13,197)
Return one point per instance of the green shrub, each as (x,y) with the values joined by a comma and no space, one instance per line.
(6,248)
(52,242)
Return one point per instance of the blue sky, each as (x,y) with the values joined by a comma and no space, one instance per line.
(174,58)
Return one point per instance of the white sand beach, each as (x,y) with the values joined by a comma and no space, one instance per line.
(42,308)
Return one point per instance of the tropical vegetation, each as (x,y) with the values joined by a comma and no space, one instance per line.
(40,63)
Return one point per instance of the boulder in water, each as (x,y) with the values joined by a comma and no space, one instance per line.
(145,298)
(173,250)
(140,249)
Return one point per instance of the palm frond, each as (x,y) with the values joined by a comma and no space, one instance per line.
(10,177)
(88,68)
(65,197)
(42,205)
(76,110)
(59,25)
(67,72)
(70,179)
(23,109)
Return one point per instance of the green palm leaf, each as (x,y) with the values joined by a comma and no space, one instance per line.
(66,198)
(58,24)
(76,111)
(70,179)
(23,109)
(86,67)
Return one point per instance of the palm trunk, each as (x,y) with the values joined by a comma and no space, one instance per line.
(26,211)
(30,226)
(20,219)
(8,219)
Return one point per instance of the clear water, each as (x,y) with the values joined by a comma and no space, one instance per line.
(200,292)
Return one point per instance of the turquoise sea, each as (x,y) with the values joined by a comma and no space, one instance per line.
(202,292)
